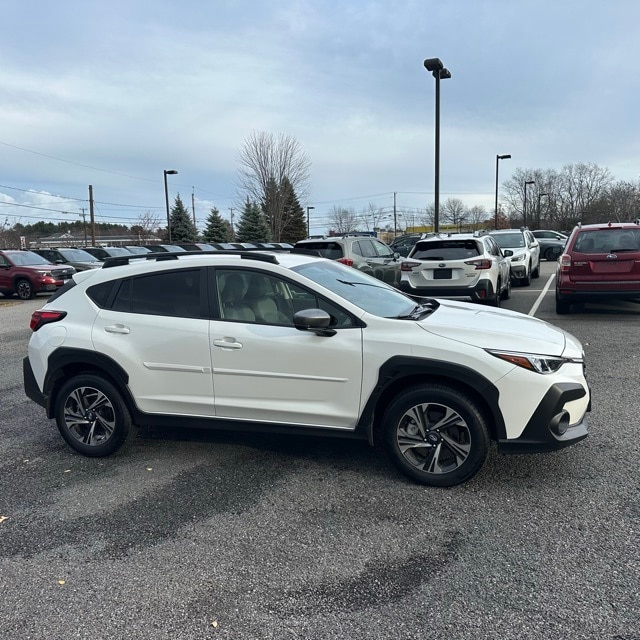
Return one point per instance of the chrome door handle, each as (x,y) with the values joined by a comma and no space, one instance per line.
(117,328)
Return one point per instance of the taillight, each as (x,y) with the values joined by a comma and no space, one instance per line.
(408,266)
(347,261)
(565,262)
(481,263)
(40,318)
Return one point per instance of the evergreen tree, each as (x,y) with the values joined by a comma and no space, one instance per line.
(182,227)
(295,222)
(217,229)
(253,225)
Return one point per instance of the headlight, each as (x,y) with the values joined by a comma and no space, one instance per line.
(519,258)
(45,273)
(533,361)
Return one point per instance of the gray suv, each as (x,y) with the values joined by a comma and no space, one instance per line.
(365,253)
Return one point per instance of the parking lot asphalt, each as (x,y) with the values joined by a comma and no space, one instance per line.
(198,535)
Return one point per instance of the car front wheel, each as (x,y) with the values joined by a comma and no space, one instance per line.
(436,435)
(91,415)
(24,289)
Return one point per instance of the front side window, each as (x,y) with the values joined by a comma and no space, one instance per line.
(260,298)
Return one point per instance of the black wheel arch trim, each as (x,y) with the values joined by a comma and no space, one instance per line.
(65,357)
(399,370)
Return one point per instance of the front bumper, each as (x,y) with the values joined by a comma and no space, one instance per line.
(548,428)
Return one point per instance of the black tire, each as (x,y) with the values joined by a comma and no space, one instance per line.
(562,306)
(506,292)
(536,272)
(495,301)
(92,417)
(428,449)
(24,289)
(552,254)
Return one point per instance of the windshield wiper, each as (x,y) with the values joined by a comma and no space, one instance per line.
(365,284)
(421,310)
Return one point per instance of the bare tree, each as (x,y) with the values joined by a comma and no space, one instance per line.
(343,220)
(267,162)
(428,218)
(147,224)
(476,216)
(454,212)
(372,217)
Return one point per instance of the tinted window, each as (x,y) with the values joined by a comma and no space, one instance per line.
(446,250)
(171,293)
(99,293)
(330,250)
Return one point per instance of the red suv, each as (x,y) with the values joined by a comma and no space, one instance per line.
(600,261)
(26,273)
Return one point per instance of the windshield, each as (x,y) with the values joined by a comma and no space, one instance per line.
(509,240)
(78,255)
(371,295)
(27,258)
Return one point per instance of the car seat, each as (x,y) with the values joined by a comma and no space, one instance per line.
(262,304)
(233,306)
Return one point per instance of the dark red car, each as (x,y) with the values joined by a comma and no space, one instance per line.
(599,262)
(25,273)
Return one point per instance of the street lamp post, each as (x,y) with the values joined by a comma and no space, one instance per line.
(308,209)
(498,158)
(437,69)
(168,172)
(524,208)
(538,213)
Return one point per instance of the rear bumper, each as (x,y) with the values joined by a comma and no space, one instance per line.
(31,387)
(548,428)
(570,294)
(482,290)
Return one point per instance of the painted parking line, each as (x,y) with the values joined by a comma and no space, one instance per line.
(536,304)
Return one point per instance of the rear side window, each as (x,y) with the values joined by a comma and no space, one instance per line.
(171,293)
(446,250)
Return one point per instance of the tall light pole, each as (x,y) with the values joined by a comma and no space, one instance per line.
(539,198)
(498,158)
(524,209)
(435,66)
(168,172)
(308,209)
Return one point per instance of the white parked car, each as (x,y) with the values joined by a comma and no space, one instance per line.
(525,260)
(458,265)
(297,343)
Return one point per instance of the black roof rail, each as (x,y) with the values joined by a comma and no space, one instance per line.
(117,261)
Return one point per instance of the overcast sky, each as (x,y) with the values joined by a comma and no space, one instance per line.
(112,93)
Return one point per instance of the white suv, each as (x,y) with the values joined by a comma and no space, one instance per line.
(296,343)
(525,258)
(461,264)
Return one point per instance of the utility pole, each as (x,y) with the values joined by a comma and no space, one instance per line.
(233,231)
(92,217)
(193,206)
(84,224)
(395,218)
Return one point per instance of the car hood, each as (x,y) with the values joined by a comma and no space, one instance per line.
(499,329)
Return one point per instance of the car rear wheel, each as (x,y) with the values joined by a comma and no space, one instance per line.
(24,289)
(91,416)
(436,435)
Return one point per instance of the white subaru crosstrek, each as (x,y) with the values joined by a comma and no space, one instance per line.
(297,343)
